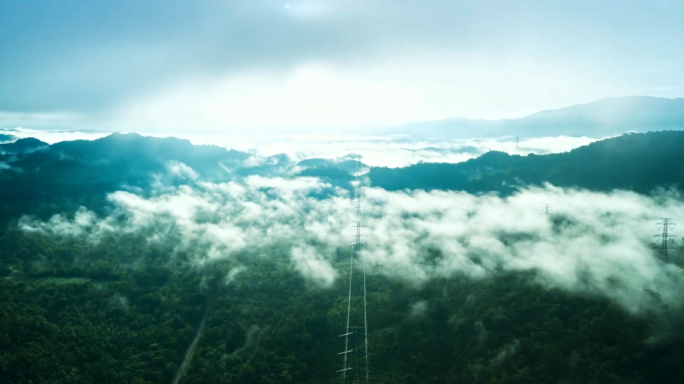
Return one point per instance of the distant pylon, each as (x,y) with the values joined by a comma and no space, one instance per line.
(664,248)
(547,211)
(517,150)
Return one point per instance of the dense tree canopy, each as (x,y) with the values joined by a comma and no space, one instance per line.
(640,162)
(125,308)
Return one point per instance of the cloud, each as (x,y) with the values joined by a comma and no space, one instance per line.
(366,94)
(391,151)
(232,64)
(54,136)
(37,119)
(177,168)
(59,225)
(311,264)
(418,309)
(505,353)
(589,247)
(233,273)
(595,244)
(377,151)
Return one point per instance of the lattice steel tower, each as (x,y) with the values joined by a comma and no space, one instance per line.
(358,334)
(665,224)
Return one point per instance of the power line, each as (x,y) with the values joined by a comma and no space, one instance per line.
(365,312)
(356,332)
(346,335)
(664,248)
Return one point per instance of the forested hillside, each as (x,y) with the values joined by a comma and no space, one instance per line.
(341,191)
(126,312)
(640,162)
(601,118)
(116,254)
(46,179)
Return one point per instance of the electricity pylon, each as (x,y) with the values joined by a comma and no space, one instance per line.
(664,248)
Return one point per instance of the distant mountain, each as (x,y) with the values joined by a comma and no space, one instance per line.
(44,179)
(339,172)
(6,138)
(348,165)
(148,153)
(41,179)
(22,146)
(639,162)
(603,118)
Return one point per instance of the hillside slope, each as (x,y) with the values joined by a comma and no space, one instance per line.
(602,118)
(638,162)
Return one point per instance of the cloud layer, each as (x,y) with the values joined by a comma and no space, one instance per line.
(238,64)
(378,151)
(593,244)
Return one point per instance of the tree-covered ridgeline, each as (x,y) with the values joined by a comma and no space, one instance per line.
(124,310)
(639,162)
(44,180)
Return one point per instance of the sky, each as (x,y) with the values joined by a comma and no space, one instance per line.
(273,67)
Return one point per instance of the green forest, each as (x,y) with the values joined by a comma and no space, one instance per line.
(341,192)
(126,313)
(126,309)
(639,162)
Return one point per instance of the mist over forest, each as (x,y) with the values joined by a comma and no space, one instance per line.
(341,191)
(128,257)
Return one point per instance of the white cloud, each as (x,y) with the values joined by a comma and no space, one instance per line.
(12,119)
(506,352)
(417,86)
(311,264)
(232,274)
(589,247)
(374,150)
(319,64)
(54,136)
(177,168)
(418,309)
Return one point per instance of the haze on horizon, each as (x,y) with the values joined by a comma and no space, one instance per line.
(180,183)
(321,66)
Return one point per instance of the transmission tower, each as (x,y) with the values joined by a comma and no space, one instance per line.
(547,211)
(358,334)
(664,248)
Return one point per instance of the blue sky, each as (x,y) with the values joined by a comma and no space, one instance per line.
(276,66)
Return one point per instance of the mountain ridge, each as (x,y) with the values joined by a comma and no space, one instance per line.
(601,118)
(66,175)
(631,162)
